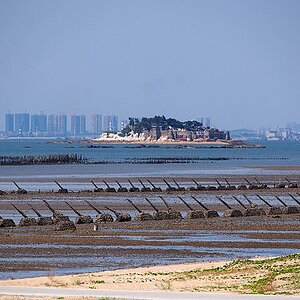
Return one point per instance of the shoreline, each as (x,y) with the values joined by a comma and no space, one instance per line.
(229,276)
(276,168)
(213,143)
(160,142)
(43,280)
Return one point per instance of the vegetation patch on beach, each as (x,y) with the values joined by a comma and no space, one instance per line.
(267,276)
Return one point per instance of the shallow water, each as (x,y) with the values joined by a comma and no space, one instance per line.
(104,263)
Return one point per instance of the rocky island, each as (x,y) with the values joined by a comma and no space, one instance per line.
(160,130)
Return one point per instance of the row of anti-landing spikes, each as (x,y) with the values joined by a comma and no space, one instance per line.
(161,215)
(169,187)
(155,208)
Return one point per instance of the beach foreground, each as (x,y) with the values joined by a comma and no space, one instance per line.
(280,275)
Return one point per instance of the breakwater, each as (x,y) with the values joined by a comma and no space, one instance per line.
(80,159)
(42,159)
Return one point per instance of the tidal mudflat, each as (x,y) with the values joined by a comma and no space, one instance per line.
(41,250)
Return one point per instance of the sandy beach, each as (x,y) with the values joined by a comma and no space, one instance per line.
(259,275)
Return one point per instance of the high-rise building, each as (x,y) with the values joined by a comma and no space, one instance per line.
(22,123)
(82,125)
(207,122)
(38,123)
(61,124)
(75,125)
(9,123)
(201,120)
(51,127)
(57,125)
(96,124)
(110,123)
(105,123)
(123,124)
(295,127)
(78,125)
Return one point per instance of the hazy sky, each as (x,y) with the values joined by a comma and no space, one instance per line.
(235,61)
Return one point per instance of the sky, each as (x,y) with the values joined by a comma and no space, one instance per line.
(237,61)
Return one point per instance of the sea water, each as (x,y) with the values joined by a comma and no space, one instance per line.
(120,160)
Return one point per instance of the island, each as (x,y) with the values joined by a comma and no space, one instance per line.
(162,130)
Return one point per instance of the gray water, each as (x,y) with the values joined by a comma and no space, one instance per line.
(106,263)
(239,160)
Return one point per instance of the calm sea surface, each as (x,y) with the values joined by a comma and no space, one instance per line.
(240,160)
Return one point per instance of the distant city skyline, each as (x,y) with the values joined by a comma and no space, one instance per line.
(74,125)
(96,123)
(235,61)
(61,124)
(82,126)
(213,123)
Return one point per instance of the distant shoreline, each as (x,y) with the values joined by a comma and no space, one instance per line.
(218,143)
(158,142)
(155,142)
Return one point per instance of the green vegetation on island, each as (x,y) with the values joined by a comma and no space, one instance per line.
(138,126)
(160,128)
